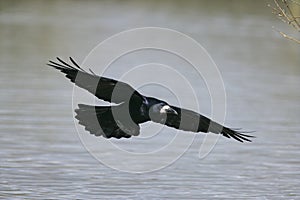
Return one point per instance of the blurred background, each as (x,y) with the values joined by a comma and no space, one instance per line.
(41,156)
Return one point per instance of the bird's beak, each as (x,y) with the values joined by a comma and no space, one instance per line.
(168,110)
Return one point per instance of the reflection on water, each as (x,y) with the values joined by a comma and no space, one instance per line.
(41,155)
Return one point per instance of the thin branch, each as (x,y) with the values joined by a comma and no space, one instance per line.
(288,37)
(287,16)
(295,2)
(292,15)
(282,11)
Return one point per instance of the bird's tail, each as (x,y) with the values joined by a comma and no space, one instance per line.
(100,121)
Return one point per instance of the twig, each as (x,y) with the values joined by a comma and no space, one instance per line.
(288,37)
(295,2)
(297,25)
(287,17)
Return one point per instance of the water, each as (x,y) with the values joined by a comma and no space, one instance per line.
(41,154)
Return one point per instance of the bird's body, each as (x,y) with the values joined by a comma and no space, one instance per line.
(132,108)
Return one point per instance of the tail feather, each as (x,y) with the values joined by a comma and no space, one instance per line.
(99,121)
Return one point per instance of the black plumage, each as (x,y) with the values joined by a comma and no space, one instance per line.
(131,108)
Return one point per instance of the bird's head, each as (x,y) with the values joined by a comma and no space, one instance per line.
(166,109)
(160,111)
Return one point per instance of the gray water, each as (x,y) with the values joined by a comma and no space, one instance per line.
(41,155)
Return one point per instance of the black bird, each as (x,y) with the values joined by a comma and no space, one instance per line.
(131,108)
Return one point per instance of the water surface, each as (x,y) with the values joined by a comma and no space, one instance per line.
(41,154)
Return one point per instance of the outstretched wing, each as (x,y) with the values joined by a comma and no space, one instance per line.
(100,121)
(104,88)
(188,120)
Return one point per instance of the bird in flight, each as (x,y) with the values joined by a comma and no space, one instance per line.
(130,108)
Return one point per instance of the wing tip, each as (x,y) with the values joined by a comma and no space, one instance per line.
(237,134)
(61,64)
